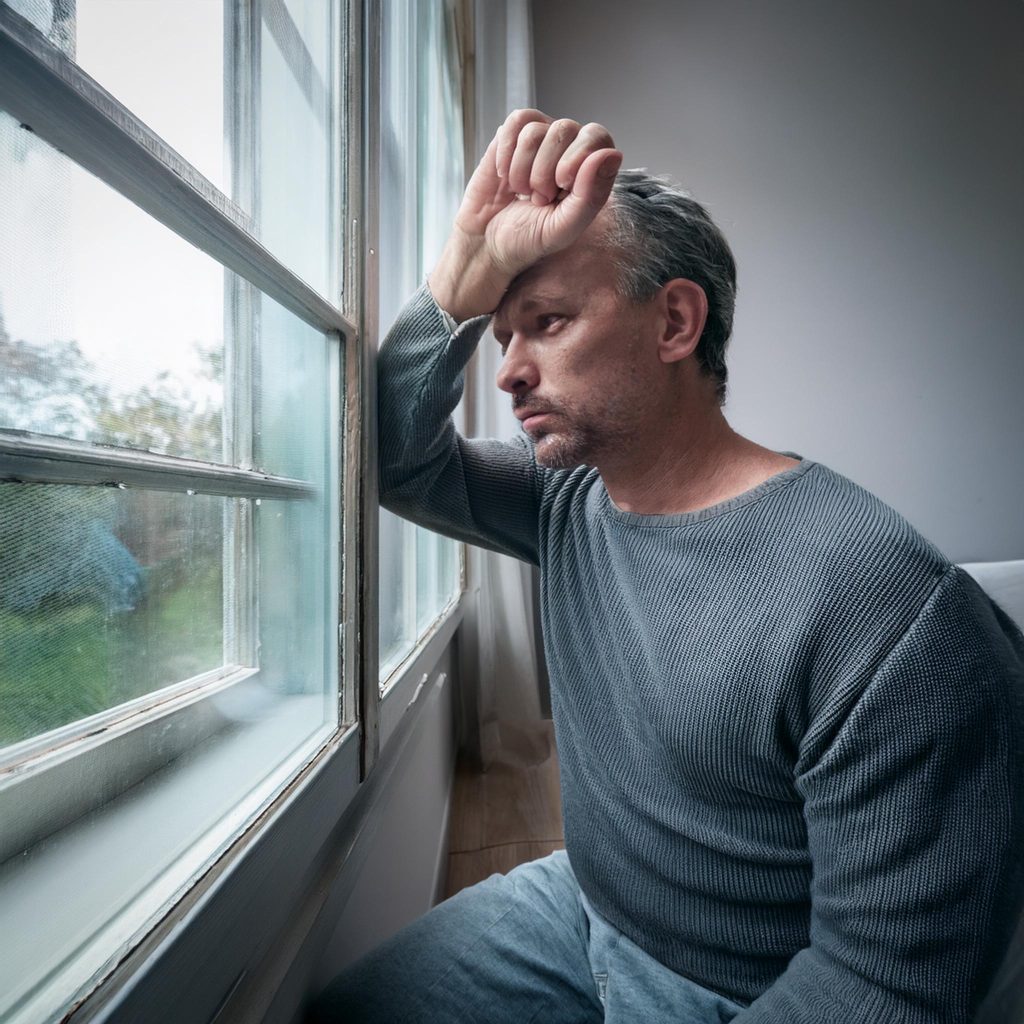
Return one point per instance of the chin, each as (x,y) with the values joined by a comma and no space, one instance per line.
(556,451)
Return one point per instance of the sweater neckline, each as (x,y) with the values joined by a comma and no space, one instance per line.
(676,519)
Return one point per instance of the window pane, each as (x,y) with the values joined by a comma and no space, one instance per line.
(132,48)
(153,812)
(295,376)
(421,177)
(170,62)
(111,327)
(397,590)
(105,595)
(449,573)
(113,330)
(427,544)
(297,138)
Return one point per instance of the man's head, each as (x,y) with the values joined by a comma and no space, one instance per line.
(614,343)
(659,233)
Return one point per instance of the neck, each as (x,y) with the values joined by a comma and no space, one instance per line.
(688,468)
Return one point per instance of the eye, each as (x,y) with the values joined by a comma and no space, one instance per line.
(550,321)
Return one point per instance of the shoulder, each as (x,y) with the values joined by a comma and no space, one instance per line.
(846,541)
(878,600)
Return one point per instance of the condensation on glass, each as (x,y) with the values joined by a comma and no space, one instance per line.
(106,595)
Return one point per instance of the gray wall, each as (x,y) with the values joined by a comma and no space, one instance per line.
(866,161)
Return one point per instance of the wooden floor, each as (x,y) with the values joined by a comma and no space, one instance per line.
(502,817)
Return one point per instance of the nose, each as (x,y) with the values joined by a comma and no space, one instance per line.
(518,371)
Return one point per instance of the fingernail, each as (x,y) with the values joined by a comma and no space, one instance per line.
(608,169)
(539,199)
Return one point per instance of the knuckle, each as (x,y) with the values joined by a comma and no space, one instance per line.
(565,128)
(595,131)
(533,132)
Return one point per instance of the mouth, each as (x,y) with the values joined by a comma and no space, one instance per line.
(534,420)
(530,419)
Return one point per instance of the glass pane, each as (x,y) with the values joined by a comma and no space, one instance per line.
(422,178)
(105,595)
(111,327)
(134,47)
(165,808)
(448,572)
(297,139)
(426,579)
(397,590)
(98,344)
(80,895)
(174,64)
(294,380)
(295,655)
(131,49)
(441,178)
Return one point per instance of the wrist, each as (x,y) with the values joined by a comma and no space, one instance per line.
(465,282)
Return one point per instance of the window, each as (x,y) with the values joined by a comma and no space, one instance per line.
(172,357)
(421,157)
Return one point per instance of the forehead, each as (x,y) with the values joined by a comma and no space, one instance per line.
(574,275)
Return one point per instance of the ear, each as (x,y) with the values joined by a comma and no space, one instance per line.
(684,310)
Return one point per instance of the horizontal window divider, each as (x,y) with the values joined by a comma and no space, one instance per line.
(32,458)
(53,97)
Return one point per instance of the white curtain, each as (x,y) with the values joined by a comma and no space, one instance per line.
(501,658)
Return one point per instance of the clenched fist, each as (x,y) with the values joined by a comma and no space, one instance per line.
(536,190)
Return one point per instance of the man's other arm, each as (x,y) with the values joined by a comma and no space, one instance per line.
(915,824)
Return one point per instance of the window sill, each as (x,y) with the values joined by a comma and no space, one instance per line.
(138,855)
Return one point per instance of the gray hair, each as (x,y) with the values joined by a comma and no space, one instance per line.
(661,233)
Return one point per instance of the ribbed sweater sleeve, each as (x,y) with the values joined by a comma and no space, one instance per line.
(915,824)
(481,491)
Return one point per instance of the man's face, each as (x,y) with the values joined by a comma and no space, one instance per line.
(579,361)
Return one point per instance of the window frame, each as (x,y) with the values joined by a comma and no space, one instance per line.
(59,775)
(233,906)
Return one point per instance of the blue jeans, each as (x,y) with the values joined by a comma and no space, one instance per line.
(516,948)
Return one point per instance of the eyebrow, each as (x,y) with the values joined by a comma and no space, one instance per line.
(535,300)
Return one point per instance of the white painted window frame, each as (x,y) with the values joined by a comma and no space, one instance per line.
(243,897)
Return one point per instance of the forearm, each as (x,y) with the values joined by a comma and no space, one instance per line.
(483,492)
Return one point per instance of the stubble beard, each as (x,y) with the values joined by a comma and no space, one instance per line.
(562,450)
(583,443)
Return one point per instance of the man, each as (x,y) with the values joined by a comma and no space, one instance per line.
(791,734)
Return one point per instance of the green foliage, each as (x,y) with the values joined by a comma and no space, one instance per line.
(104,594)
(60,663)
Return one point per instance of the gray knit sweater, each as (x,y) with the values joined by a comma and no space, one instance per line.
(791,734)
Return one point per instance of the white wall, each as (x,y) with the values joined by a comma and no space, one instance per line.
(866,162)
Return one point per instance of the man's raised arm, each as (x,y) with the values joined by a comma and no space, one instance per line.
(537,188)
